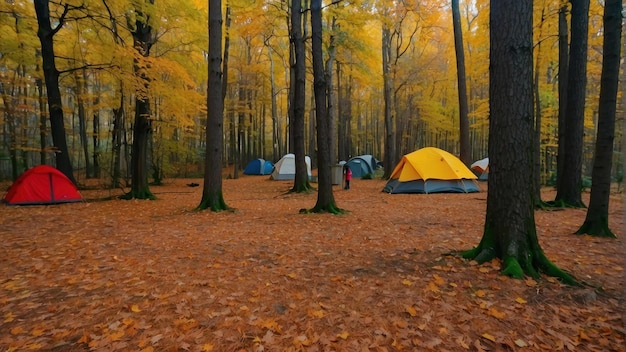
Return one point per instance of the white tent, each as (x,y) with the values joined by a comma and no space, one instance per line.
(285,168)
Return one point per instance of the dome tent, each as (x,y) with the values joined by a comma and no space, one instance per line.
(362,165)
(258,167)
(42,184)
(285,168)
(431,170)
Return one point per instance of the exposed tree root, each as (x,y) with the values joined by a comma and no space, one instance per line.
(599,228)
(215,203)
(304,187)
(563,204)
(331,209)
(515,267)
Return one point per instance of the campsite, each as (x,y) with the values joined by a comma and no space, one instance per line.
(139,275)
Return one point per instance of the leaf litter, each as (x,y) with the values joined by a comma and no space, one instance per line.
(158,276)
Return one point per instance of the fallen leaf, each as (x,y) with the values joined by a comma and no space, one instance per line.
(344,335)
(407,282)
(480,293)
(520,343)
(135,308)
(489,337)
(520,300)
(412,311)
(496,313)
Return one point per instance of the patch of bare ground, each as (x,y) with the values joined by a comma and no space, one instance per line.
(136,275)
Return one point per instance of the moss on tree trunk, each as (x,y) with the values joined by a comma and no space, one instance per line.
(528,260)
(598,227)
(213,201)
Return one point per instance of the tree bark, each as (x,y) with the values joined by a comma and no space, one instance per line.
(325,198)
(465,154)
(569,188)
(510,233)
(597,220)
(563,72)
(301,181)
(212,196)
(390,142)
(46,34)
(142,129)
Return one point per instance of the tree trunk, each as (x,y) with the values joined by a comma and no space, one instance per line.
(465,154)
(301,181)
(332,111)
(510,232)
(142,129)
(43,132)
(81,91)
(597,220)
(46,34)
(390,142)
(569,188)
(537,129)
(212,196)
(563,72)
(325,198)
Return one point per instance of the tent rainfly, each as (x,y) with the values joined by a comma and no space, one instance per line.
(40,185)
(431,170)
(362,165)
(285,168)
(258,167)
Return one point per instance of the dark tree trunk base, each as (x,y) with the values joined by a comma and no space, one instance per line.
(215,204)
(331,208)
(144,194)
(598,228)
(561,203)
(304,187)
(515,267)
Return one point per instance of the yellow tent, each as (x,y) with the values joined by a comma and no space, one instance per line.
(431,170)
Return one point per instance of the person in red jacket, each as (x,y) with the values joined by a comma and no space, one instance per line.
(348,176)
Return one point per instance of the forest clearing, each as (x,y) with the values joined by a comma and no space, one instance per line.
(139,275)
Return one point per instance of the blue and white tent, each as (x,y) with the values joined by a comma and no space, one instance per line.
(259,167)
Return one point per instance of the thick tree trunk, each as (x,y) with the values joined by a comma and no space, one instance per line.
(212,196)
(510,232)
(325,198)
(46,34)
(142,129)
(465,156)
(301,181)
(569,189)
(597,220)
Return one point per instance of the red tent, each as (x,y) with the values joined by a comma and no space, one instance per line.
(42,184)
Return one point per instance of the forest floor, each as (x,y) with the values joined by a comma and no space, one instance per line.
(136,275)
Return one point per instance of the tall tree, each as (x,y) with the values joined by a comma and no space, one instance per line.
(46,33)
(510,232)
(562,86)
(212,196)
(465,156)
(298,95)
(143,39)
(390,133)
(569,188)
(597,220)
(325,198)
